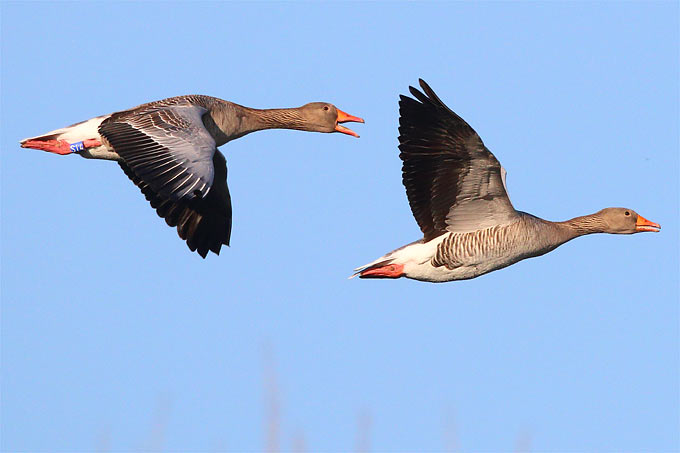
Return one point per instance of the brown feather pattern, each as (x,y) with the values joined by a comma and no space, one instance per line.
(527,237)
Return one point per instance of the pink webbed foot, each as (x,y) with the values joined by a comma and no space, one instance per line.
(91,143)
(61,147)
(388,271)
(53,146)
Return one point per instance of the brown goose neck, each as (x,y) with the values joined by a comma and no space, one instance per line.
(227,121)
(290,118)
(579,226)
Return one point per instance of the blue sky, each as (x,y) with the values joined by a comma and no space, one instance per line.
(115,337)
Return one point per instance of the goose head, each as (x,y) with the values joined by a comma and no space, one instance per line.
(325,117)
(625,221)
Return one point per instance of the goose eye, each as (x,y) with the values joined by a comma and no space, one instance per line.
(325,107)
(627,213)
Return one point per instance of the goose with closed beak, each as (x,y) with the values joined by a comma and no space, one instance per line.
(168,148)
(457,193)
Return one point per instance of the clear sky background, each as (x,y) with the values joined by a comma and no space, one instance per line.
(115,337)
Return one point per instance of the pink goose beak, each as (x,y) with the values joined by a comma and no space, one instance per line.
(643,224)
(344,118)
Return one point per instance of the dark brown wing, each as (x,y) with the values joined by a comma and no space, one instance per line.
(205,223)
(452,180)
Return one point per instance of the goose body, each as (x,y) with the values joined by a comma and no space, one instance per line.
(168,148)
(457,193)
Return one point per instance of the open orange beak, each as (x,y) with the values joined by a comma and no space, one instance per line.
(643,224)
(344,118)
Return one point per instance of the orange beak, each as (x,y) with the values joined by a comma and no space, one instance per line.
(344,118)
(643,224)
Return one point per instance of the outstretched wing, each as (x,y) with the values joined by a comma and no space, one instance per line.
(205,223)
(452,180)
(166,146)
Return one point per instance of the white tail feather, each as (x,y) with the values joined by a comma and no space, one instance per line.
(75,132)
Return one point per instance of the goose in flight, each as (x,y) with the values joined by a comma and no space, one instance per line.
(168,148)
(457,193)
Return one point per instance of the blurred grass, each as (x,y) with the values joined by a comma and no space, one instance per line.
(155,440)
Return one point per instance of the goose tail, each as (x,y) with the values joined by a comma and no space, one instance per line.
(71,139)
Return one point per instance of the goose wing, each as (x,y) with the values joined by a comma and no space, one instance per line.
(453,182)
(169,154)
(166,145)
(204,223)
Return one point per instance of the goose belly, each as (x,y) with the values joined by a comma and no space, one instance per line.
(438,274)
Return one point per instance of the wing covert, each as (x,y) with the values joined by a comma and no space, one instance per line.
(166,146)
